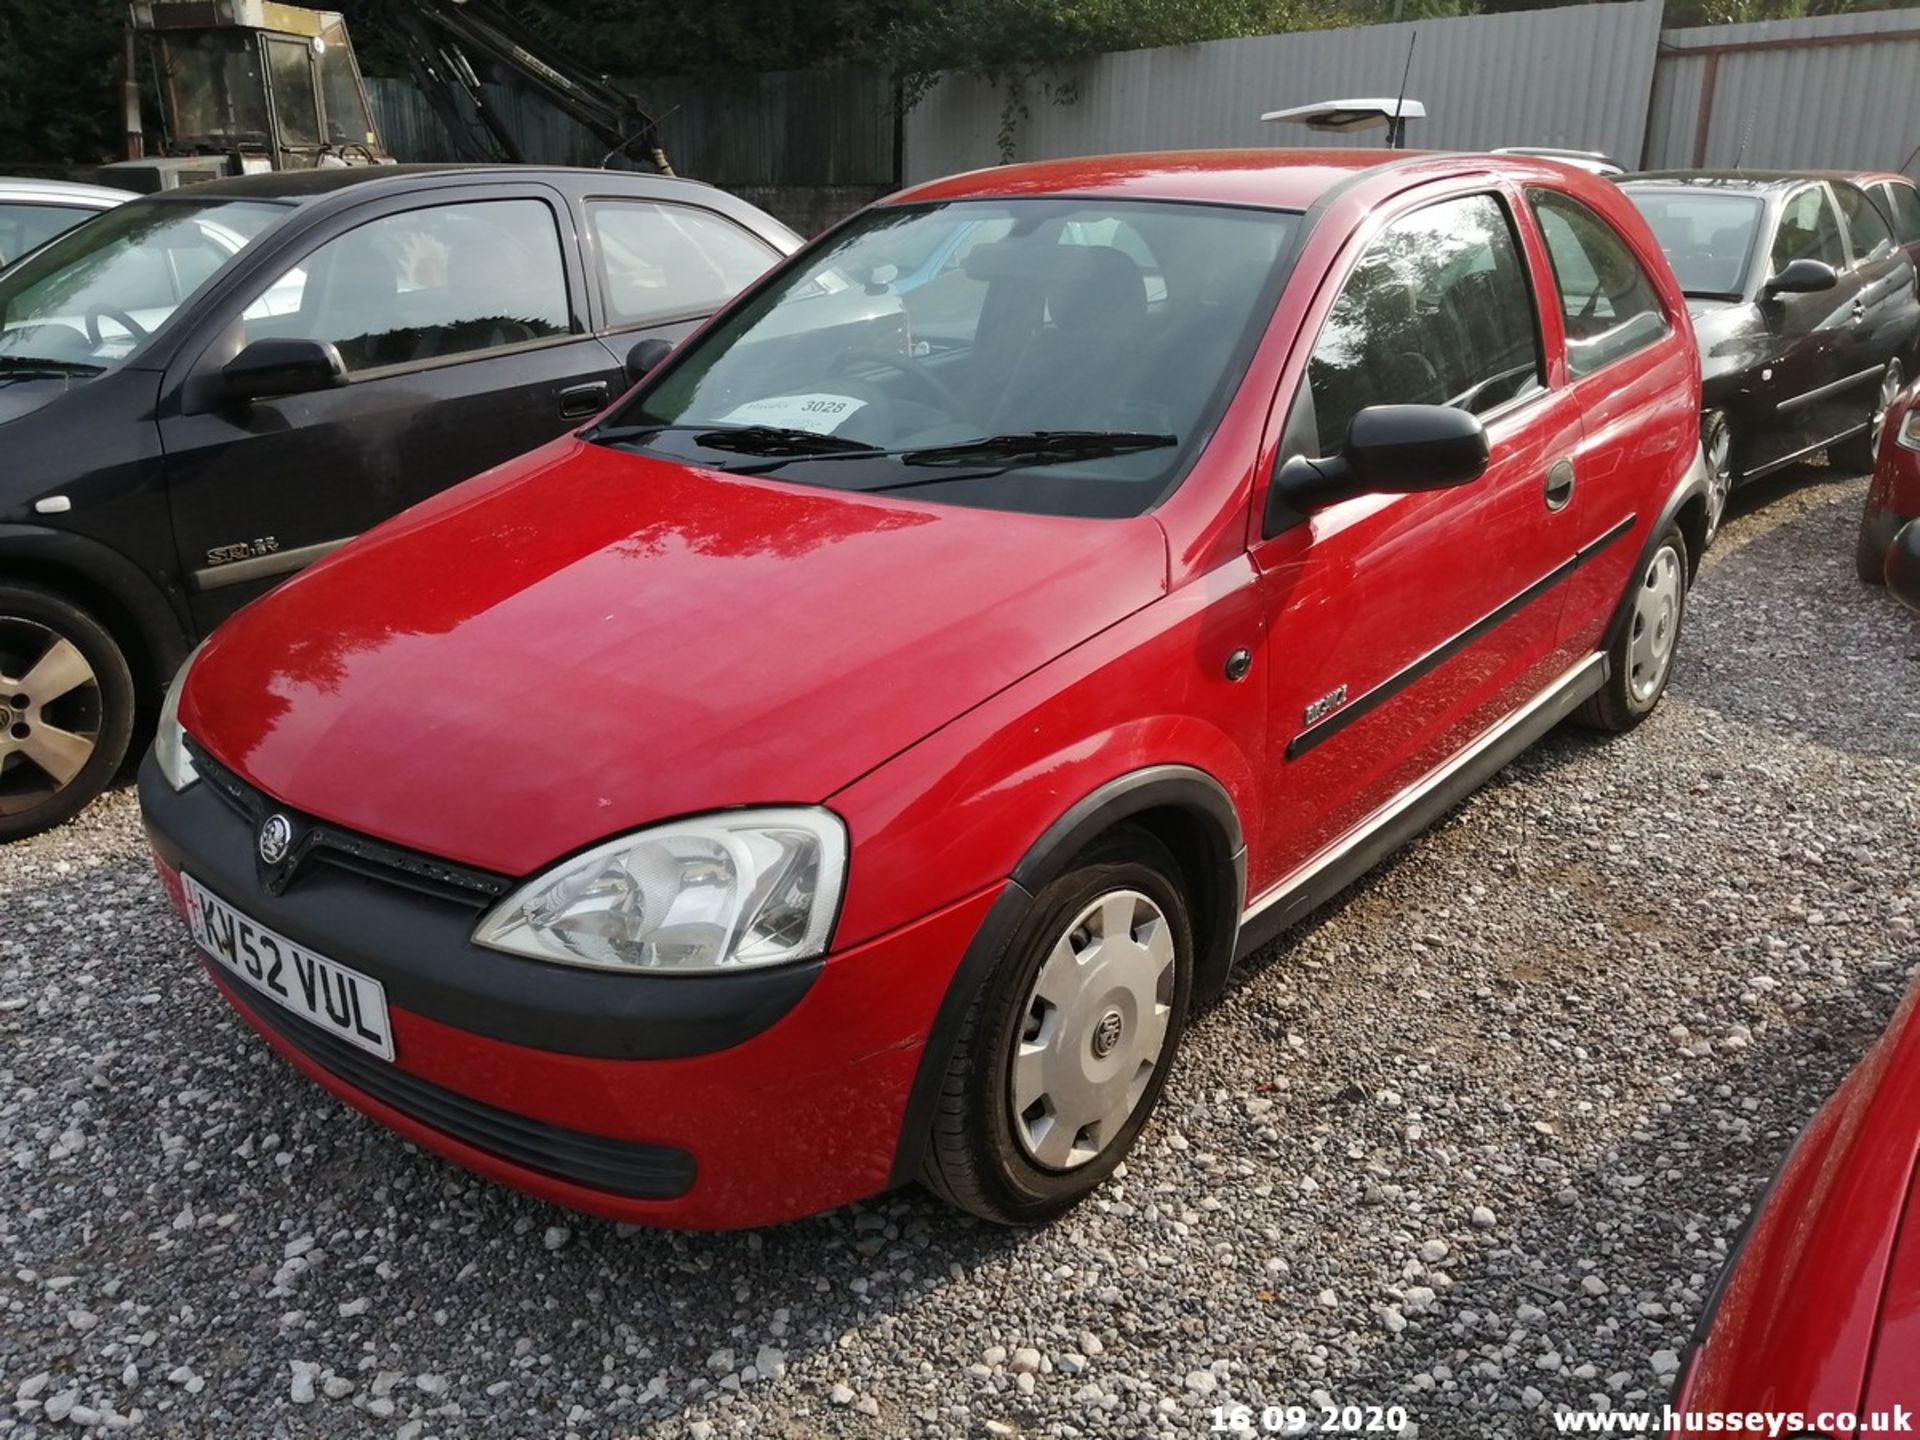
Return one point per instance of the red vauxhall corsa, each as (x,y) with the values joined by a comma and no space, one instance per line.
(849,760)
(1816,1316)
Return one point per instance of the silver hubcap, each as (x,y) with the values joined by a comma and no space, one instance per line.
(1891,381)
(1719,456)
(49,714)
(1093,1030)
(1656,624)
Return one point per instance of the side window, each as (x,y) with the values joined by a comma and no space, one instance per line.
(23,227)
(1809,230)
(662,261)
(290,68)
(1866,226)
(1436,312)
(1903,201)
(424,285)
(1609,304)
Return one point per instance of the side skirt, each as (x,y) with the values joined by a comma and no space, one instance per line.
(1416,808)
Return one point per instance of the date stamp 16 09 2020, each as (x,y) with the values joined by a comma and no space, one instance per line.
(1233,1419)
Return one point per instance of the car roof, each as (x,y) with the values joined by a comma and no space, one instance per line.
(1282,178)
(301,186)
(21,187)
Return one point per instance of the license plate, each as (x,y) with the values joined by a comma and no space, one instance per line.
(336,997)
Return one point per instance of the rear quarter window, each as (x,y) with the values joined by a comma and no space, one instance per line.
(1609,305)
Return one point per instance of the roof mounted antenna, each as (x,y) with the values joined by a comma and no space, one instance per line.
(1397,127)
(1753,113)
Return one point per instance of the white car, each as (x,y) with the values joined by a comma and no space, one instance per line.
(32,212)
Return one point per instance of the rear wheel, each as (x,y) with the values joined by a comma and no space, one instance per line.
(66,710)
(1641,661)
(1063,1054)
(1858,452)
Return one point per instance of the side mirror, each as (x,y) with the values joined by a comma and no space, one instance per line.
(1803,277)
(644,356)
(283,366)
(1390,450)
(1903,565)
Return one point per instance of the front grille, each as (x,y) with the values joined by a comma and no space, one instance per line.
(320,843)
(616,1167)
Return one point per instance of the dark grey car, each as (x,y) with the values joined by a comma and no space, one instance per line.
(1804,306)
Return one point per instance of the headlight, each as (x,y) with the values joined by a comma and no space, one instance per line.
(729,891)
(1909,432)
(169,748)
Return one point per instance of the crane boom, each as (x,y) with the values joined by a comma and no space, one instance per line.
(445,38)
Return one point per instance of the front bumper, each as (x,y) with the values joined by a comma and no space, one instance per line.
(683,1101)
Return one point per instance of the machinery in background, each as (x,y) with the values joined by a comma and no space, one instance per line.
(243,86)
(453,45)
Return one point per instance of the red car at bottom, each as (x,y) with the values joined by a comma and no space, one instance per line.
(851,758)
(1816,1316)
(1893,495)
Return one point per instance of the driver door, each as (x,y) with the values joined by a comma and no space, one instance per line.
(1402,625)
(1810,334)
(461,324)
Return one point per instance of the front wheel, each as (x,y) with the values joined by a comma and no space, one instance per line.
(66,710)
(1063,1054)
(1641,660)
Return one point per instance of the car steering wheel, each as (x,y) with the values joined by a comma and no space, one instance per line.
(931,385)
(97,313)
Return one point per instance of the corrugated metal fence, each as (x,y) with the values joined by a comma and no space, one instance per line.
(807,145)
(1574,76)
(1836,92)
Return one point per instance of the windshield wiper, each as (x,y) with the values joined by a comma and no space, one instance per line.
(1044,446)
(38,365)
(778,440)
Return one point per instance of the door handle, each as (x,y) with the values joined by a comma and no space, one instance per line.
(588,399)
(1859,310)
(1559,484)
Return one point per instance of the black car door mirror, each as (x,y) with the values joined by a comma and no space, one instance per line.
(1803,277)
(644,356)
(283,365)
(1390,450)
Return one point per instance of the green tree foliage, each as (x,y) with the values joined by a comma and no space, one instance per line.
(59,96)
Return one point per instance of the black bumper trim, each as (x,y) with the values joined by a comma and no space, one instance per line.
(617,1167)
(419,946)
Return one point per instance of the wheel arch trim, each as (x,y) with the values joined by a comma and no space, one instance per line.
(159,628)
(1182,788)
(1692,487)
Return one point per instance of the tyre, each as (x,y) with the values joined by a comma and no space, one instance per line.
(1062,1055)
(66,710)
(1641,661)
(1877,529)
(1858,452)
(1716,448)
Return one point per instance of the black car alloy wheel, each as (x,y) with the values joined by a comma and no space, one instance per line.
(66,703)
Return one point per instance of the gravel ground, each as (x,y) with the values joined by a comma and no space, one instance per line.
(1471,1141)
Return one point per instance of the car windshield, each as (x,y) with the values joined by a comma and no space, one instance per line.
(1061,356)
(1708,238)
(88,299)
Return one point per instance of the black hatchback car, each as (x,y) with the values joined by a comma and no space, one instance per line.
(1804,306)
(204,390)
